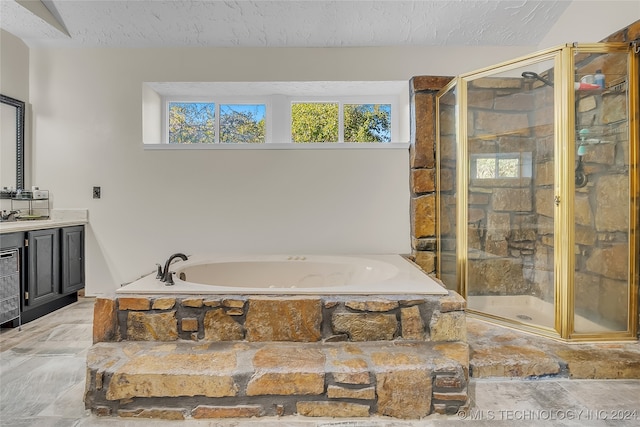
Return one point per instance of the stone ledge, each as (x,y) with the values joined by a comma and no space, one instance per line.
(280,318)
(242,379)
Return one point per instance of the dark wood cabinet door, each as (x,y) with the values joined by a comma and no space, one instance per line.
(43,252)
(72,259)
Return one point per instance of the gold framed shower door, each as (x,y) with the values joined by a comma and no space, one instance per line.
(529,153)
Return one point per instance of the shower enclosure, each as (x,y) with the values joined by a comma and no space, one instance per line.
(538,191)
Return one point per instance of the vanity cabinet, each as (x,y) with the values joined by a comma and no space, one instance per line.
(52,268)
(43,267)
(72,253)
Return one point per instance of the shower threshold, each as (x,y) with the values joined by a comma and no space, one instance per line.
(529,310)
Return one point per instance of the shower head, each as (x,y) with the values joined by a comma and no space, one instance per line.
(536,76)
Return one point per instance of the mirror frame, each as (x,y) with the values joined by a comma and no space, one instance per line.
(19,105)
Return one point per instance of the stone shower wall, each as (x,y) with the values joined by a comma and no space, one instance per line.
(602,206)
(628,34)
(510,115)
(424,218)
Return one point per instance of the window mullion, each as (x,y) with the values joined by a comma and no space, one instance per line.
(217,122)
(165,120)
(340,122)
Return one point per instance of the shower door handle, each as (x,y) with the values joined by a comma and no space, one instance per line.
(556,200)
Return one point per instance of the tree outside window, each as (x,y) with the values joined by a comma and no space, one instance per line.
(192,123)
(195,123)
(367,123)
(318,122)
(314,122)
(242,123)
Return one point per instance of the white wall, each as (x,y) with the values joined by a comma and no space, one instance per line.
(14,82)
(589,21)
(88,131)
(87,124)
(14,63)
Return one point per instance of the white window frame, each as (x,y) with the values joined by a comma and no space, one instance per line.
(217,100)
(277,97)
(341,101)
(524,164)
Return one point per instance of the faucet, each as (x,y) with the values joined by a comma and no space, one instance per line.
(166,276)
(8,216)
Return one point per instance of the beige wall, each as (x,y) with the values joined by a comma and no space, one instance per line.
(589,21)
(14,82)
(87,130)
(14,64)
(87,109)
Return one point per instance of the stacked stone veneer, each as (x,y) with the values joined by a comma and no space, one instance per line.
(242,356)
(510,220)
(424,219)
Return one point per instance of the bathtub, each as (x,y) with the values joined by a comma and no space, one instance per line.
(291,275)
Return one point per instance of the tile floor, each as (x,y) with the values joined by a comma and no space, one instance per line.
(42,373)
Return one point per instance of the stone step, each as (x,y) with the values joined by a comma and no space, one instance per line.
(198,380)
(501,352)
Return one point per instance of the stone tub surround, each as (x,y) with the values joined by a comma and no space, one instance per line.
(263,318)
(243,356)
(197,380)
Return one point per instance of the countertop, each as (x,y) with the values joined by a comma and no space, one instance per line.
(59,218)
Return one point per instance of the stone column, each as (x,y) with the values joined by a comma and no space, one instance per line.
(423,168)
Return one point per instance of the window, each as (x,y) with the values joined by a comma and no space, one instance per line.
(280,115)
(242,123)
(320,122)
(367,123)
(191,123)
(314,122)
(209,123)
(501,165)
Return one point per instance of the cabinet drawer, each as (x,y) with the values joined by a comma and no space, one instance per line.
(9,308)
(9,286)
(9,263)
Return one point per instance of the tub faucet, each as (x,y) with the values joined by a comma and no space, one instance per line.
(167,276)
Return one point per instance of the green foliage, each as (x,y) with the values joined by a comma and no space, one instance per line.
(241,127)
(318,122)
(367,123)
(191,123)
(314,122)
(194,123)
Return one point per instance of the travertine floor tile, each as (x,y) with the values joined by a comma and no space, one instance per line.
(42,375)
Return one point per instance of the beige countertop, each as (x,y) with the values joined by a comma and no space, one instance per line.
(59,218)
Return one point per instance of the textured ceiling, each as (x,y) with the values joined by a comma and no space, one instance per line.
(153,23)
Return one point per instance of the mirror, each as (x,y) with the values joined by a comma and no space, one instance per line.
(11,142)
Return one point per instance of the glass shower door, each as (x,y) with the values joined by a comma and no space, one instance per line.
(446,105)
(510,159)
(602,204)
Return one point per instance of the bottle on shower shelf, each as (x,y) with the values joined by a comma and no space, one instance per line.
(599,78)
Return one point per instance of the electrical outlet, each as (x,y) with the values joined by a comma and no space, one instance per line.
(96,192)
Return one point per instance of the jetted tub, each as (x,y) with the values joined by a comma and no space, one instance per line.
(287,275)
